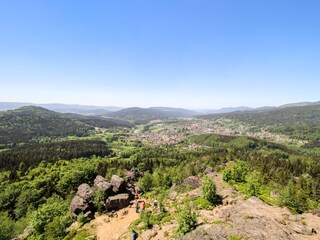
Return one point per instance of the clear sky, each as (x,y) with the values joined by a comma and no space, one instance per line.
(180,53)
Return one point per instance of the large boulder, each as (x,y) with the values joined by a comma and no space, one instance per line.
(101,183)
(118,184)
(194,181)
(85,192)
(79,205)
(118,201)
(132,175)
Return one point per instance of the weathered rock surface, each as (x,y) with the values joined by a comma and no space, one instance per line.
(102,183)
(78,205)
(117,196)
(118,184)
(137,189)
(132,174)
(256,220)
(194,181)
(148,234)
(85,192)
(118,201)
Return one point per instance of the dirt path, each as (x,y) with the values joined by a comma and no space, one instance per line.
(115,227)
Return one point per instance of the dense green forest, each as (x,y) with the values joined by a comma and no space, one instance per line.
(302,122)
(27,123)
(33,123)
(26,156)
(100,122)
(145,115)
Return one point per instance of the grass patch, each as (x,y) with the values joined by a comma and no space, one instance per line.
(235,237)
(217,222)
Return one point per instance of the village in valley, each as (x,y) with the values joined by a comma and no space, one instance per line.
(159,132)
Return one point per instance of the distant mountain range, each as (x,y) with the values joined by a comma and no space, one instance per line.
(145,115)
(245,109)
(142,115)
(62,108)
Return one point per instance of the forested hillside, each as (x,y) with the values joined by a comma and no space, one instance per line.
(302,122)
(100,122)
(145,115)
(27,123)
(32,123)
(24,157)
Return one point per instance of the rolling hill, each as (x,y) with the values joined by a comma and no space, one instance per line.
(302,121)
(26,123)
(62,108)
(31,122)
(97,121)
(145,115)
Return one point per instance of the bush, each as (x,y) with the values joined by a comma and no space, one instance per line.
(236,172)
(253,184)
(201,203)
(98,200)
(82,235)
(146,219)
(81,219)
(55,229)
(186,221)
(54,207)
(146,182)
(6,226)
(294,198)
(209,191)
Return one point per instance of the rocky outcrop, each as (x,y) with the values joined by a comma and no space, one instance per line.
(116,192)
(102,183)
(118,184)
(85,192)
(132,175)
(253,219)
(194,181)
(81,202)
(118,201)
(79,205)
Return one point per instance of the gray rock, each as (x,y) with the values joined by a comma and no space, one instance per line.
(118,184)
(85,192)
(137,189)
(301,229)
(101,183)
(90,238)
(250,219)
(132,174)
(118,201)
(148,234)
(172,195)
(194,181)
(78,205)
(208,170)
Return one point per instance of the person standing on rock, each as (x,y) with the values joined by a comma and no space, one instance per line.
(155,203)
(134,235)
(137,207)
(143,205)
(136,196)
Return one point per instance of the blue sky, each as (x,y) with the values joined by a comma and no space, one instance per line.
(180,53)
